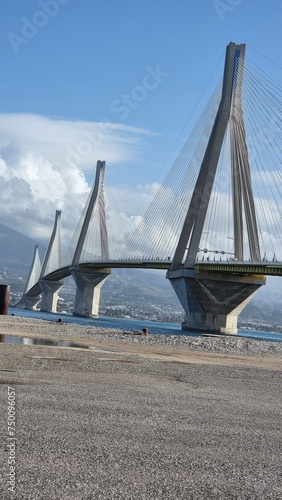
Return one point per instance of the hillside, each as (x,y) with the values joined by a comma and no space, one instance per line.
(16,249)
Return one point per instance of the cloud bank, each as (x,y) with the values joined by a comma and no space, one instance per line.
(44,163)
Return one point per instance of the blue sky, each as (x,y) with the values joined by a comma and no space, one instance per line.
(67,66)
(91,52)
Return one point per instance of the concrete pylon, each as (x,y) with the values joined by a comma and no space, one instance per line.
(88,286)
(89,281)
(213,303)
(29,301)
(50,294)
(50,289)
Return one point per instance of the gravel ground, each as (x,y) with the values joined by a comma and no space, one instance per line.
(13,325)
(136,417)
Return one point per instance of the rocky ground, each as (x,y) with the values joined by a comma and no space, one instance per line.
(127,416)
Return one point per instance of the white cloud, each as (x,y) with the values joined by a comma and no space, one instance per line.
(43,162)
(72,143)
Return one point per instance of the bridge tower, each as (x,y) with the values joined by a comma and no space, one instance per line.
(52,260)
(213,302)
(27,301)
(88,280)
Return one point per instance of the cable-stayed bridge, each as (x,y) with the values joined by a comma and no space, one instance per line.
(215,223)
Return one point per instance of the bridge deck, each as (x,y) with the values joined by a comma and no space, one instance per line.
(266,268)
(239,268)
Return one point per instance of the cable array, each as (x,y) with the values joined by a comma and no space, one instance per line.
(253,135)
(158,231)
(255,132)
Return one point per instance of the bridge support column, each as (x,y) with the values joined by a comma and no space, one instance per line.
(50,295)
(28,303)
(88,287)
(213,304)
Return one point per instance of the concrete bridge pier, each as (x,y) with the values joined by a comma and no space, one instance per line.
(88,287)
(213,303)
(50,294)
(28,303)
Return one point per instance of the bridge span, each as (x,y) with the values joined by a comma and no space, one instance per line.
(252,269)
(240,268)
(103,266)
(229,267)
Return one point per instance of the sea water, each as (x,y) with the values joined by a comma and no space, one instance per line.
(126,324)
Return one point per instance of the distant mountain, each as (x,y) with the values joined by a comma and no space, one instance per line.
(16,249)
(146,287)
